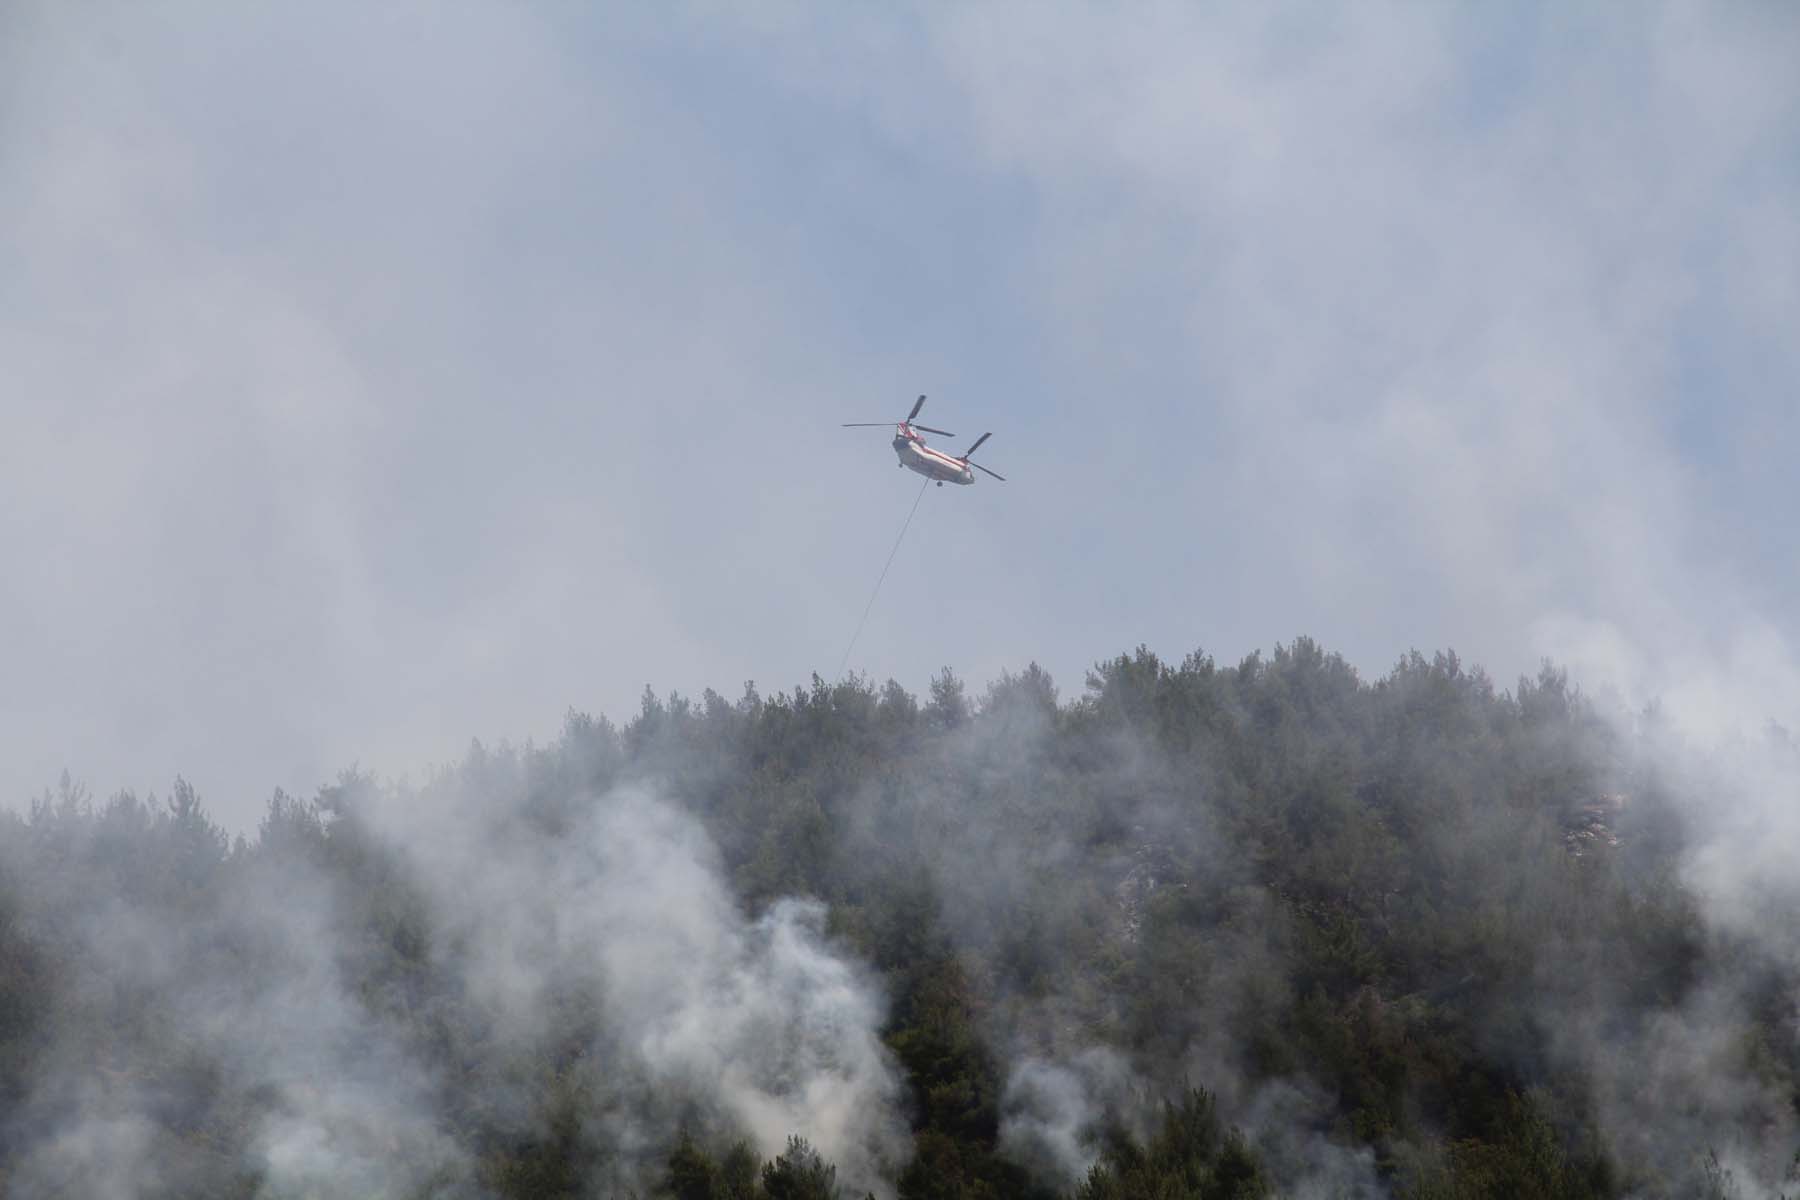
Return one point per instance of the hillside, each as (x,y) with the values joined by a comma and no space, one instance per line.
(1211,931)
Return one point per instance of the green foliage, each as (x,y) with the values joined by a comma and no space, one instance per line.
(1374,893)
(798,1173)
(1188,1158)
(1522,1156)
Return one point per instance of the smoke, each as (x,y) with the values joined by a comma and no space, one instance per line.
(185,1008)
(1677,1048)
(262,1003)
(1055,1112)
(1692,1073)
(1284,1120)
(1463,358)
(104,1156)
(1053,883)
(1747,840)
(1687,1083)
(1177,881)
(759,1018)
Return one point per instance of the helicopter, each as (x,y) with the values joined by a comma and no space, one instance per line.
(933,464)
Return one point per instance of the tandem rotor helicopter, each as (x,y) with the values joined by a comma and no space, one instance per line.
(933,464)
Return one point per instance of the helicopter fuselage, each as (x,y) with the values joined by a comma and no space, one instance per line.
(912,451)
(915,455)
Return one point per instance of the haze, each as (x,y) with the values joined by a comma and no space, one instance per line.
(377,379)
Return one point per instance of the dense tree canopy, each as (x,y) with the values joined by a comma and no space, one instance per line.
(1205,931)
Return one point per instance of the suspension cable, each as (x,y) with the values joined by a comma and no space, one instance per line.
(884,570)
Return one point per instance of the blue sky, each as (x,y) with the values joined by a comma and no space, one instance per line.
(382,380)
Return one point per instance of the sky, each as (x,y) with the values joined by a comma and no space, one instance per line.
(380,378)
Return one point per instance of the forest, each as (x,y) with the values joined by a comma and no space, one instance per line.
(1201,931)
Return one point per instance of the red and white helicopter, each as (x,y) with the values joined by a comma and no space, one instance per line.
(933,464)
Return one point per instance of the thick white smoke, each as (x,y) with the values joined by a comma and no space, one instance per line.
(1054,1111)
(759,1018)
(248,997)
(601,965)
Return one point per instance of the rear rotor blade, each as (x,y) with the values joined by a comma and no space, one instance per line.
(995,474)
(929,429)
(972,449)
(917,405)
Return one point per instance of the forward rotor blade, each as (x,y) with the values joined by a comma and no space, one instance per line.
(917,405)
(929,429)
(995,474)
(866,424)
(972,449)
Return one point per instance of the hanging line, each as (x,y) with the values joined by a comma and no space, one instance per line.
(884,571)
